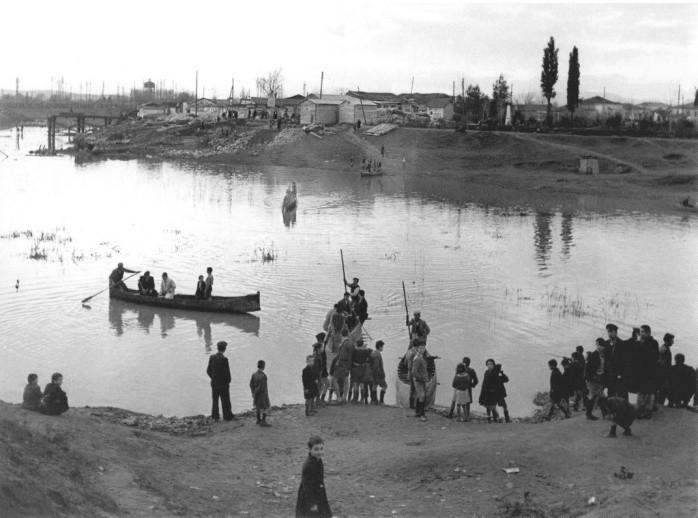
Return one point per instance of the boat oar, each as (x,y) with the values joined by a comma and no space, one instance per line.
(407,313)
(105,289)
(344,274)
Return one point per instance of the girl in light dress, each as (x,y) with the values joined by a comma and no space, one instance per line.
(461,393)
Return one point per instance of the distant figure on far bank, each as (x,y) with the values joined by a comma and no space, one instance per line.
(55,401)
(167,287)
(117,275)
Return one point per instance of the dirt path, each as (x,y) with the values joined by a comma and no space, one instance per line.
(379,461)
(527,137)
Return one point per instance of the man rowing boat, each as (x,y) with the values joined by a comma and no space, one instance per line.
(117,275)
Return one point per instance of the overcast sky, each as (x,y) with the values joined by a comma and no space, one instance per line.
(637,51)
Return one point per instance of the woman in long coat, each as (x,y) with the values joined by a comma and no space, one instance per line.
(312,498)
(491,391)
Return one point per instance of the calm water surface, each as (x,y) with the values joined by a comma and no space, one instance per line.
(518,287)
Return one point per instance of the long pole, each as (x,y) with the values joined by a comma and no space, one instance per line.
(196,96)
(105,289)
(407,313)
(322,80)
(358,92)
(344,274)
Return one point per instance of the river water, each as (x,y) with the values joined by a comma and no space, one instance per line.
(518,286)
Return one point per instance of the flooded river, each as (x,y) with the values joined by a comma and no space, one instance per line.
(519,287)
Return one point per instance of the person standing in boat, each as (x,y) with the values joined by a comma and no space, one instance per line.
(354,288)
(200,293)
(146,285)
(209,283)
(117,275)
(419,329)
(167,287)
(361,307)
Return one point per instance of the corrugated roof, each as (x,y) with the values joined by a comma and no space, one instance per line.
(384,97)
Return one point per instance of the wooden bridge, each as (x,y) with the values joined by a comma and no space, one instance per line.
(80,124)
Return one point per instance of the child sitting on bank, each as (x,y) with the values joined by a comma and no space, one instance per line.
(260,393)
(32,393)
(461,393)
(55,401)
(310,384)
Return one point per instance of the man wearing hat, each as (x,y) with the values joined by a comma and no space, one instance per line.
(219,372)
(616,356)
(116,276)
(419,329)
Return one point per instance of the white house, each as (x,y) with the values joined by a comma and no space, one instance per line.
(353,109)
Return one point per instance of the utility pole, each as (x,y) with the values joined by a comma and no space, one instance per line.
(17,87)
(462,88)
(196,96)
(453,93)
(303,88)
(322,78)
(678,102)
(412,86)
(362,103)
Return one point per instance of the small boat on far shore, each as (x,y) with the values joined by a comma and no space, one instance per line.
(241,304)
(365,174)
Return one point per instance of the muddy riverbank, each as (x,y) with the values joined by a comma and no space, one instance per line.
(379,461)
(489,168)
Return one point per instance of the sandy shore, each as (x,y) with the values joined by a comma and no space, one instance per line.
(379,461)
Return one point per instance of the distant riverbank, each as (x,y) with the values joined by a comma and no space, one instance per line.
(517,170)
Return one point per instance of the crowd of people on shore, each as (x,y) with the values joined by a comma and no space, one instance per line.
(606,377)
(146,283)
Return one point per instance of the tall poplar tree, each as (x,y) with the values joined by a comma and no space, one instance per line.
(573,83)
(548,76)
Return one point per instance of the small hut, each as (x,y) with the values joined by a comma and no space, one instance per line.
(588,165)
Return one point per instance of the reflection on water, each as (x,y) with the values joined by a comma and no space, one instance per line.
(471,271)
(289,217)
(566,235)
(145,318)
(542,238)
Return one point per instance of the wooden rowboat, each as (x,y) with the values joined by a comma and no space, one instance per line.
(402,384)
(369,175)
(242,304)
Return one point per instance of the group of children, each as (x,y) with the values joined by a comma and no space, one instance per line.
(616,368)
(492,391)
(52,401)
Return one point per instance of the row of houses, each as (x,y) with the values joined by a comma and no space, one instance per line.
(374,107)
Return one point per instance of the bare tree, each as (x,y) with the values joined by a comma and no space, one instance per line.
(272,84)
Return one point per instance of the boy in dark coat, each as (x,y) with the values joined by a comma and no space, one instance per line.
(620,411)
(310,384)
(312,498)
(32,393)
(558,391)
(260,393)
(55,401)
